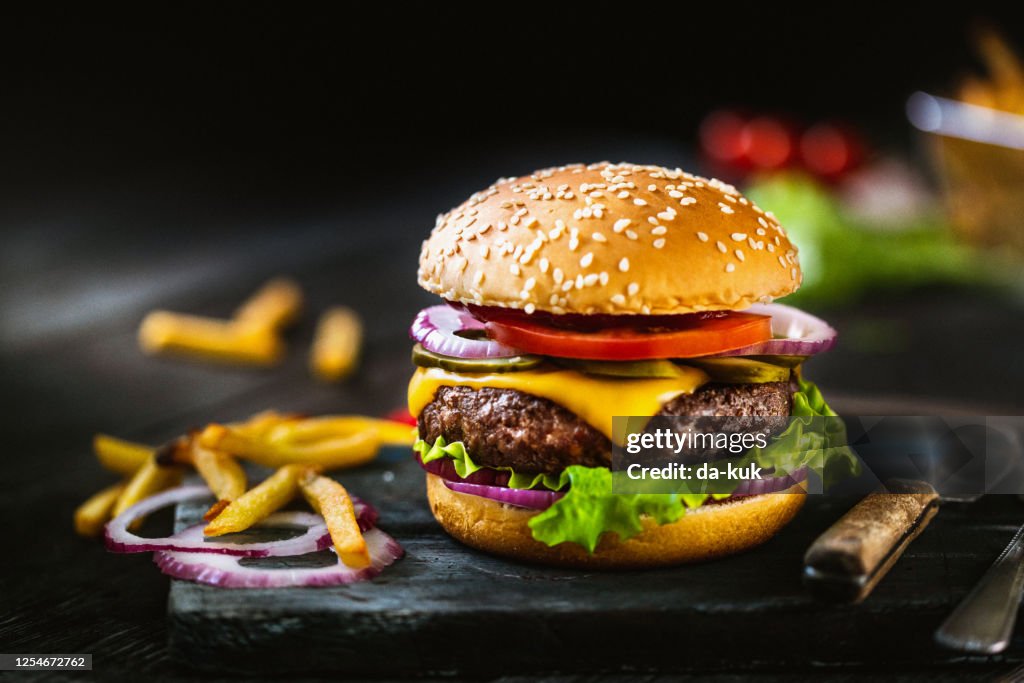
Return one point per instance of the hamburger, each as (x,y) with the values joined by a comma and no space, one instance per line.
(576,294)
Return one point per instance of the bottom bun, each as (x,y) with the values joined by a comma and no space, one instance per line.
(705,533)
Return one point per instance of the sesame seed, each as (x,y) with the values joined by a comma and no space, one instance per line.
(652,188)
(702,236)
(591,279)
(632,289)
(658,243)
(579,281)
(557,275)
(599,237)
(485,251)
(652,220)
(543,265)
(514,269)
(675,194)
(529,284)
(782,262)
(659,230)
(624,264)
(686,201)
(721,247)
(729,267)
(739,236)
(587,259)
(530,222)
(619,300)
(792,273)
(739,254)
(762,221)
(667,215)
(640,202)
(603,278)
(478,278)
(621,224)
(567,285)
(726,209)
(631,235)
(761,232)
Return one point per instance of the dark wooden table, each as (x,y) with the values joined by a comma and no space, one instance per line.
(77,278)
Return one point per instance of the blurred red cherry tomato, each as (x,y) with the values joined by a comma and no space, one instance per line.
(768,143)
(830,150)
(721,137)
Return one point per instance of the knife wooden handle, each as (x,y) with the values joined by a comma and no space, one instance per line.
(847,561)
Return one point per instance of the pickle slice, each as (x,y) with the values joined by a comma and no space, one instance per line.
(429,359)
(740,370)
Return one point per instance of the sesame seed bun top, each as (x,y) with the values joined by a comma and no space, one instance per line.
(609,238)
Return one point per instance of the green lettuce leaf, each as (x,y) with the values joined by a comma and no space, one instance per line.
(817,444)
(589,508)
(464,465)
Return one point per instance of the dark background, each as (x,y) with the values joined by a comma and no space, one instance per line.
(175,155)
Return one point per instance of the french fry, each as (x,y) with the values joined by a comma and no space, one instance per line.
(95,512)
(336,345)
(273,307)
(331,500)
(335,453)
(118,455)
(229,341)
(258,503)
(1005,68)
(222,474)
(260,423)
(149,479)
(389,433)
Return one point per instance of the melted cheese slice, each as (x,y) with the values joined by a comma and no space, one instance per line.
(595,399)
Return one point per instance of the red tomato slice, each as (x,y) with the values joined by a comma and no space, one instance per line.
(695,336)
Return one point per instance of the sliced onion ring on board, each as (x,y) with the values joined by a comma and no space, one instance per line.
(794,333)
(534,499)
(120,540)
(227,571)
(436,327)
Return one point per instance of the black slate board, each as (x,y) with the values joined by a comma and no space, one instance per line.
(447,609)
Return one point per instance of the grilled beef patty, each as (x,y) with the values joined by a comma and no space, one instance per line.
(507,428)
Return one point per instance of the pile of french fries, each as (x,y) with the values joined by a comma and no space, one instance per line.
(1004,87)
(301,448)
(253,335)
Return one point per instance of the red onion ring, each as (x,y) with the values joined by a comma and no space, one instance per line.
(534,499)
(795,333)
(226,571)
(435,328)
(119,539)
(758,487)
(445,468)
(542,499)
